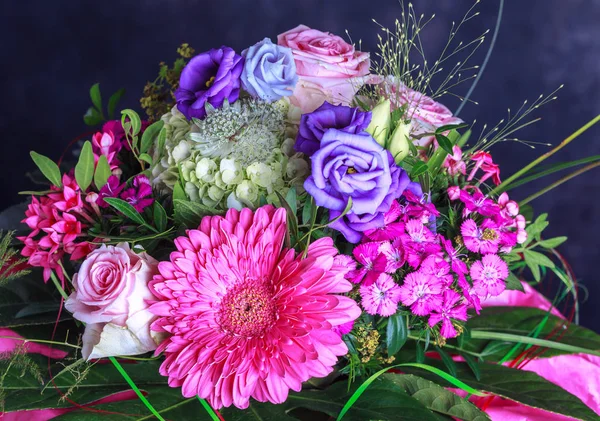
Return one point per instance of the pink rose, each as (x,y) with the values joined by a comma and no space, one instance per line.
(329,69)
(425,114)
(111,294)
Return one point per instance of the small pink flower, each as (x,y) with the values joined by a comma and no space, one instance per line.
(69,227)
(372,260)
(106,144)
(508,208)
(395,255)
(454,162)
(454,192)
(483,239)
(521,232)
(391,228)
(421,292)
(381,297)
(112,188)
(469,293)
(488,275)
(458,266)
(69,198)
(437,267)
(450,309)
(478,203)
(484,161)
(139,196)
(418,207)
(416,232)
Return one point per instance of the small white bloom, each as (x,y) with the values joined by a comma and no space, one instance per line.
(231,171)
(247,192)
(205,170)
(260,174)
(181,151)
(297,167)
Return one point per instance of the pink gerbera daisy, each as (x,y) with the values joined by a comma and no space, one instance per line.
(246,317)
(488,275)
(421,292)
(381,297)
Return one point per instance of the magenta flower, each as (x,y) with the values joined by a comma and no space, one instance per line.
(394,254)
(478,203)
(453,192)
(488,275)
(437,267)
(416,232)
(69,197)
(454,163)
(381,297)
(482,239)
(449,309)
(106,144)
(484,161)
(469,293)
(418,207)
(421,292)
(458,266)
(391,227)
(372,260)
(139,196)
(244,317)
(112,188)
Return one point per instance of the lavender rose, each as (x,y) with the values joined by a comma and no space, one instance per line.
(269,71)
(328,116)
(349,165)
(211,77)
(111,293)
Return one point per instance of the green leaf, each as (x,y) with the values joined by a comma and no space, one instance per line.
(191,213)
(113,101)
(146,158)
(444,143)
(307,210)
(521,386)
(397,333)
(149,134)
(292,199)
(513,283)
(420,355)
(537,258)
(84,170)
(447,360)
(48,168)
(344,212)
(535,270)
(160,217)
(552,242)
(126,209)
(419,168)
(179,193)
(449,127)
(92,117)
(523,321)
(102,173)
(436,398)
(292,220)
(134,121)
(472,365)
(96,97)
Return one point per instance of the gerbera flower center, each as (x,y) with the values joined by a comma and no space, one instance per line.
(247,309)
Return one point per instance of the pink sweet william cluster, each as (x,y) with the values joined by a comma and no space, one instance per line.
(56,221)
(409,262)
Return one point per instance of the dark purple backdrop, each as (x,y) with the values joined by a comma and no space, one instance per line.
(53,51)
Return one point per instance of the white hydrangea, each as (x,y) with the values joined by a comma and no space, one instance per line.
(238,156)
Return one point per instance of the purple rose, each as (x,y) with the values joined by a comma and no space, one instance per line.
(349,165)
(211,77)
(328,116)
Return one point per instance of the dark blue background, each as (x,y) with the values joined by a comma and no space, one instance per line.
(53,51)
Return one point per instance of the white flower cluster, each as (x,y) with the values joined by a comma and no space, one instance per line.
(236,156)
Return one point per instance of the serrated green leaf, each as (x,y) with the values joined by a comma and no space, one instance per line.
(48,168)
(149,134)
(102,173)
(397,333)
(444,143)
(113,101)
(436,398)
(84,170)
(552,242)
(96,97)
(134,121)
(126,209)
(513,283)
(538,258)
(160,217)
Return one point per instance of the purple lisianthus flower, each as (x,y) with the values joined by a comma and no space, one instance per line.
(269,71)
(211,77)
(349,165)
(327,116)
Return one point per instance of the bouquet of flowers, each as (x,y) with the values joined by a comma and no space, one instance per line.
(296,230)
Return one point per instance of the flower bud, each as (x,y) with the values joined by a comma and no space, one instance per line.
(398,144)
(453,192)
(381,119)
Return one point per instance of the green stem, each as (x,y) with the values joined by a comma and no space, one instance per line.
(41,341)
(502,187)
(455,348)
(58,286)
(178,404)
(508,337)
(558,183)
